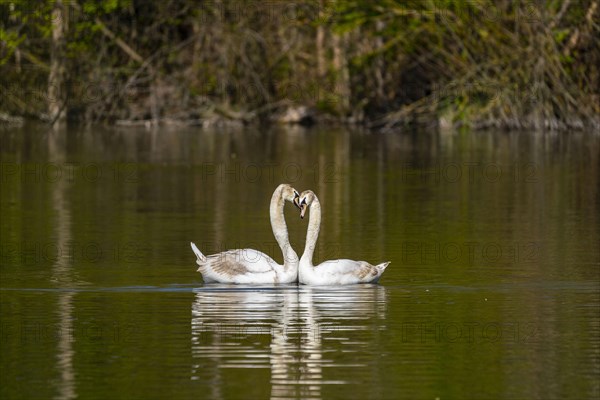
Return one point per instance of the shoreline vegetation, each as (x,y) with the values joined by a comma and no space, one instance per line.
(477,64)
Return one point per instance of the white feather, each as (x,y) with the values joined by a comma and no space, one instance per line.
(248,266)
(332,272)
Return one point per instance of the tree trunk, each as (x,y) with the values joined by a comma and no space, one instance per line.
(320,42)
(57,96)
(342,80)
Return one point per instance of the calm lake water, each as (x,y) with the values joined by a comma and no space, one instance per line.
(493,291)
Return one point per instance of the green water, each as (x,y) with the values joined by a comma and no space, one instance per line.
(493,290)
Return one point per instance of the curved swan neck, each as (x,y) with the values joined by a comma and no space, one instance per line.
(279,227)
(312,234)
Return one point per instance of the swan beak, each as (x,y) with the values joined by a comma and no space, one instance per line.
(296,199)
(303,210)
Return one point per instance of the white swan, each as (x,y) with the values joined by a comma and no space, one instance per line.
(332,272)
(252,266)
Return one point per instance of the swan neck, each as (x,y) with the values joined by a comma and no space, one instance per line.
(314,225)
(280,230)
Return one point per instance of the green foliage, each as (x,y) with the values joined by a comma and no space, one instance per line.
(104,7)
(391,60)
(461,45)
(10,41)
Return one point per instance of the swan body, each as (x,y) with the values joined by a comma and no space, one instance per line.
(249,266)
(332,272)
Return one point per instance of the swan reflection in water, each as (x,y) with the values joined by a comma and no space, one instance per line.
(293,330)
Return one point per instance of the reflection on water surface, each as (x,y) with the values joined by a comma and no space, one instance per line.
(493,290)
(284,329)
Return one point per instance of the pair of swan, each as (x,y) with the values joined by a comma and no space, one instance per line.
(247,266)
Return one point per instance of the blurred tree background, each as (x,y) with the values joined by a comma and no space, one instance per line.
(479,63)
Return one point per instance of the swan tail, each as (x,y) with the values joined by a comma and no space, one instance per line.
(201,258)
(381,267)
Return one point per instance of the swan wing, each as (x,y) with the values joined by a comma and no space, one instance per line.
(346,271)
(345,267)
(239,266)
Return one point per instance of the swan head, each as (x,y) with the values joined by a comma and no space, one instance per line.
(290,194)
(305,200)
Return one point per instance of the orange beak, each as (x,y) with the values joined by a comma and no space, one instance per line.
(303,208)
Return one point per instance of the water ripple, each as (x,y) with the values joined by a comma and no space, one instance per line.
(285,330)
